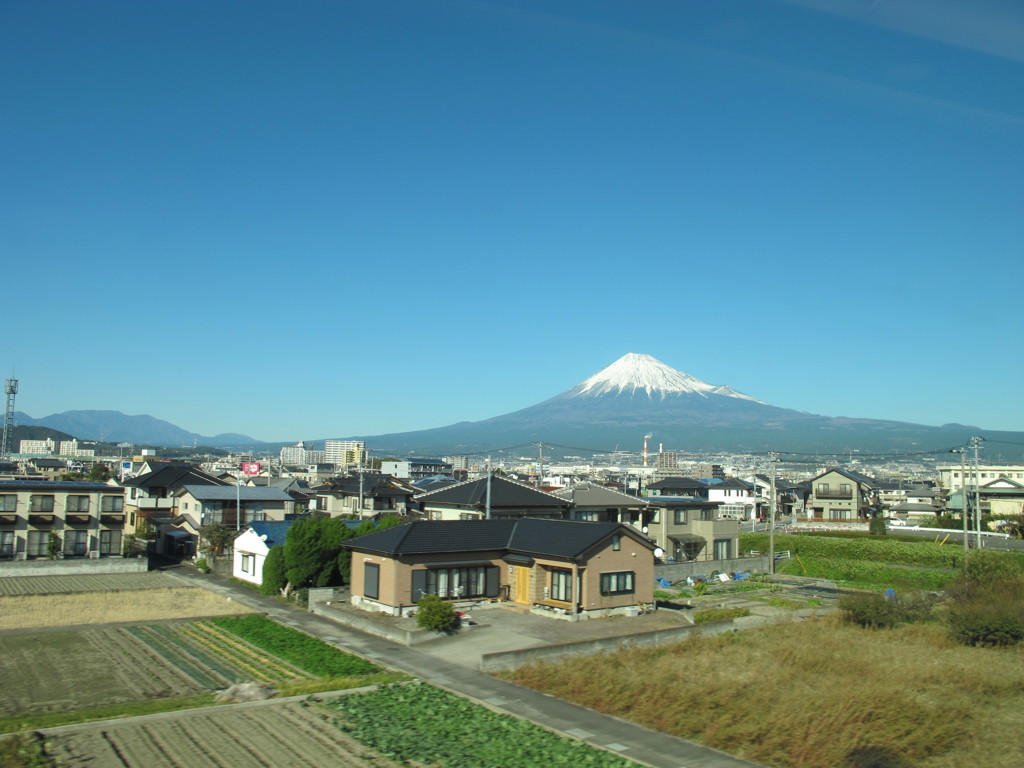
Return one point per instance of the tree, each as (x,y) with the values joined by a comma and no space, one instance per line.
(99,473)
(312,552)
(145,530)
(274,579)
(53,546)
(214,538)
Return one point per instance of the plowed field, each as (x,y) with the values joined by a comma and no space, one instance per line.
(60,671)
(270,735)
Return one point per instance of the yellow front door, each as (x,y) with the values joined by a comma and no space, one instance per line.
(522,592)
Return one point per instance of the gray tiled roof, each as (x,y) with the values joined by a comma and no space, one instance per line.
(231,492)
(504,493)
(594,495)
(554,538)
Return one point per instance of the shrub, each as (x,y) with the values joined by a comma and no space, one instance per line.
(877,526)
(987,601)
(719,614)
(870,610)
(202,565)
(435,614)
(985,620)
(274,578)
(987,567)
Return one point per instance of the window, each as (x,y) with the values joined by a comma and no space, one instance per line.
(41,504)
(37,543)
(707,514)
(654,517)
(822,489)
(454,583)
(844,489)
(8,502)
(371,580)
(620,583)
(587,515)
(616,542)
(76,543)
(561,585)
(680,517)
(110,542)
(77,504)
(114,504)
(6,543)
(723,549)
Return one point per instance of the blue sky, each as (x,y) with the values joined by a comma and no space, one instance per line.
(314,219)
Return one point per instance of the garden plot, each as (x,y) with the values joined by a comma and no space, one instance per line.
(129,605)
(278,734)
(60,671)
(99,582)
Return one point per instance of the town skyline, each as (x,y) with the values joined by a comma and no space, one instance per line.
(360,218)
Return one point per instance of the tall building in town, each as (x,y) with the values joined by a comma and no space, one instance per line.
(341,453)
(47,446)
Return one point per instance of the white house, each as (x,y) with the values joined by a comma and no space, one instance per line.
(252,545)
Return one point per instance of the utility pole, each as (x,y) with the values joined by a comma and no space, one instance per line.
(976,441)
(359,467)
(963,497)
(773,457)
(487,514)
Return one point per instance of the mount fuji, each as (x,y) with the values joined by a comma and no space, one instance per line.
(638,395)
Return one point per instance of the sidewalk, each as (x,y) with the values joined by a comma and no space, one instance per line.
(632,741)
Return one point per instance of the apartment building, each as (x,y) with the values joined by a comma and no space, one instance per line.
(43,519)
(46,447)
(341,453)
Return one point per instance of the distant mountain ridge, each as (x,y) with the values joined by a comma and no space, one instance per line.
(614,409)
(117,427)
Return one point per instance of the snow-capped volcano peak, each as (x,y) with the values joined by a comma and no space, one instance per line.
(634,372)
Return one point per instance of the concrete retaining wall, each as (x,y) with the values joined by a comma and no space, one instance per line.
(326,602)
(679,571)
(506,660)
(74,567)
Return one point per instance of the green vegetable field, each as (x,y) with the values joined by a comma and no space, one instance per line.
(426,725)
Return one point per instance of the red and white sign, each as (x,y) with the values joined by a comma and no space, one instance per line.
(251,467)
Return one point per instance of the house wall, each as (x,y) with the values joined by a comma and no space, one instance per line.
(249,544)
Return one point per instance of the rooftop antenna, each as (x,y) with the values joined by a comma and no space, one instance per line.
(11,389)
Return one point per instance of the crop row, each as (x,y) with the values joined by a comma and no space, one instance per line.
(242,654)
(305,652)
(424,725)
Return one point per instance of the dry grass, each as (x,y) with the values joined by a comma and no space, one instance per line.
(814,695)
(61,610)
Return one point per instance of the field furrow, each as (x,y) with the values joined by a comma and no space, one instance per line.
(172,656)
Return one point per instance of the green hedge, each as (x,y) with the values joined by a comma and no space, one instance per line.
(927,554)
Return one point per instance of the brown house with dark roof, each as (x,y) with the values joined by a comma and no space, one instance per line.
(563,568)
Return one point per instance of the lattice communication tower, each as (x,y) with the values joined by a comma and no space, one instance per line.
(10,389)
